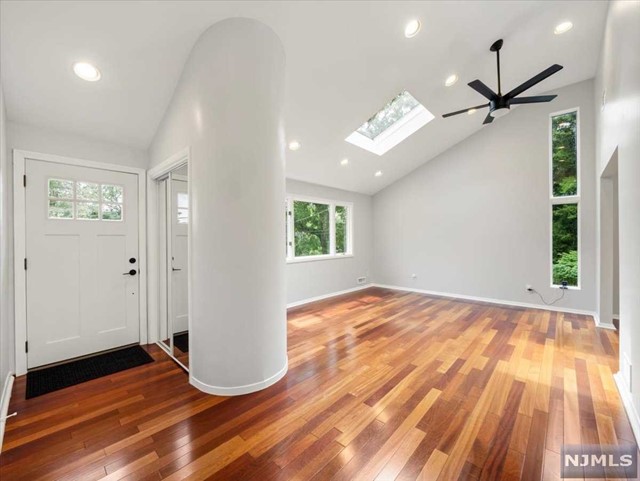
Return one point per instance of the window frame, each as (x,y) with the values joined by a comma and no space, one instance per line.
(291,258)
(568,199)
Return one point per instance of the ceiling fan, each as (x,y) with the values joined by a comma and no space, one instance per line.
(499,104)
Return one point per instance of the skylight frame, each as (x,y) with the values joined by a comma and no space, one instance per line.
(417,118)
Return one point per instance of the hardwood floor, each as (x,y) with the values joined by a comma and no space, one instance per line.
(381,385)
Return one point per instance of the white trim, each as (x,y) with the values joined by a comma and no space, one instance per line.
(19,222)
(291,247)
(154,175)
(616,317)
(570,199)
(297,260)
(603,325)
(239,390)
(327,296)
(627,402)
(395,133)
(492,301)
(4,404)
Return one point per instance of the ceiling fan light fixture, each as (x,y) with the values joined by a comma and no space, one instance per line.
(500,112)
(563,27)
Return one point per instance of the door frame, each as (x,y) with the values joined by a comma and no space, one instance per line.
(19,242)
(183,157)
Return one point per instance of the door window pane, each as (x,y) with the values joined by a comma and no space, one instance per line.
(183,208)
(87,191)
(311,228)
(112,193)
(60,209)
(565,244)
(564,154)
(88,210)
(111,212)
(341,229)
(60,189)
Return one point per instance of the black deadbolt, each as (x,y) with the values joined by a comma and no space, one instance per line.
(132,260)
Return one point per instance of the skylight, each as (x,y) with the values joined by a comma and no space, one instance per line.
(400,118)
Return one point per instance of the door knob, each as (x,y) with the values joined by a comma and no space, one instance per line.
(132,272)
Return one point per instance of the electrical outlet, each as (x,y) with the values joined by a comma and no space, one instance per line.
(414,276)
(361,280)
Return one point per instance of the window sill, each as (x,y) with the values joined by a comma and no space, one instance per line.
(568,288)
(298,260)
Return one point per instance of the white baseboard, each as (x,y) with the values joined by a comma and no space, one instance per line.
(603,325)
(327,296)
(498,301)
(4,404)
(240,390)
(627,402)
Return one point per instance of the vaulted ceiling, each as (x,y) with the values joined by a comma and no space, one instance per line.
(345,60)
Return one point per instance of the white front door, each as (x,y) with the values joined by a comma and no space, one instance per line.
(82,261)
(179,248)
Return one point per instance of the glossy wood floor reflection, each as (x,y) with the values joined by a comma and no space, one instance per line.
(381,385)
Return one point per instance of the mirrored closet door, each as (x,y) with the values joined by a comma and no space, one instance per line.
(173,202)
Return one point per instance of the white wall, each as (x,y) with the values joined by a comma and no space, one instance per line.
(7,358)
(306,280)
(618,127)
(476,219)
(46,141)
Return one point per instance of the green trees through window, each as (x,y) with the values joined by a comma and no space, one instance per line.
(564,187)
(311,228)
(317,228)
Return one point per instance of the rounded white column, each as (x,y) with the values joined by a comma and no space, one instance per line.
(232,91)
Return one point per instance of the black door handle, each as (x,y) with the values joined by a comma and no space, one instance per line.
(174,269)
(132,272)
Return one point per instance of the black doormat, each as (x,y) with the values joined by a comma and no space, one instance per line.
(69,374)
(181,341)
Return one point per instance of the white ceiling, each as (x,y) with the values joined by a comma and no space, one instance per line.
(345,60)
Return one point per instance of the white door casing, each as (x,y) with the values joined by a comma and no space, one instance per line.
(79,299)
(179,254)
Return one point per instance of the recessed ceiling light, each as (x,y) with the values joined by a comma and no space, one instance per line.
(563,27)
(294,145)
(378,173)
(86,71)
(451,79)
(412,28)
(344,161)
(471,111)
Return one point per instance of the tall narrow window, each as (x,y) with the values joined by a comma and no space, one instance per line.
(565,199)
(317,229)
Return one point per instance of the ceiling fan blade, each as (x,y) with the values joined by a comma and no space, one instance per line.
(482,89)
(532,100)
(465,110)
(534,80)
(488,119)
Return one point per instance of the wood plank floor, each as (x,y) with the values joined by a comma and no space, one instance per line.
(381,385)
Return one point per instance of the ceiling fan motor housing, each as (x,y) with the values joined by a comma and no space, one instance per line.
(498,107)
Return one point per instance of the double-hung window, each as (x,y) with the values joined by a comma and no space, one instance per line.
(565,198)
(318,229)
